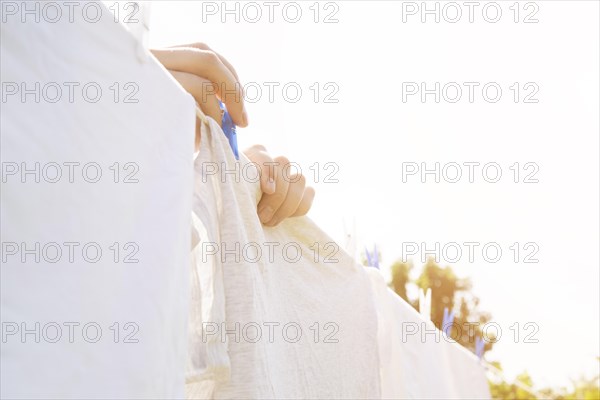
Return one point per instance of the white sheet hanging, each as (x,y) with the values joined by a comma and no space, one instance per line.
(156,134)
(417,361)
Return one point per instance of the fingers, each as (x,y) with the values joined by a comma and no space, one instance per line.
(204,46)
(292,200)
(207,64)
(290,197)
(305,203)
(266,167)
(270,203)
(197,87)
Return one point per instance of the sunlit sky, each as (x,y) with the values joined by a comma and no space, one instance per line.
(370,132)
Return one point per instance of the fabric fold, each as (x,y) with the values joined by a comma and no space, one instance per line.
(298,319)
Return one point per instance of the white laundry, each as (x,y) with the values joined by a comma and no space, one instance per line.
(154,134)
(417,361)
(370,359)
(350,323)
(332,299)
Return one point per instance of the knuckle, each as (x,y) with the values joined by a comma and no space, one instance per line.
(201,45)
(259,147)
(210,57)
(282,161)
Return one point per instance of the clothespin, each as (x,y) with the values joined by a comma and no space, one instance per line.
(372,259)
(375,257)
(229,129)
(447,321)
(479,346)
(425,303)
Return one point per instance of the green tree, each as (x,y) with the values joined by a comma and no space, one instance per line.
(582,389)
(516,390)
(447,291)
(400,278)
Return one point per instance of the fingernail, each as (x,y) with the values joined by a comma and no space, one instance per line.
(271,185)
(244,116)
(265,214)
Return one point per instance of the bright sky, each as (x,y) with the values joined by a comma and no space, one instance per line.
(365,57)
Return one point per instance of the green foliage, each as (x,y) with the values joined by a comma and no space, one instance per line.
(400,277)
(582,389)
(446,290)
(514,390)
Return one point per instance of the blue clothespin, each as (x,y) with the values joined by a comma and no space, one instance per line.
(375,257)
(447,321)
(372,259)
(479,345)
(229,129)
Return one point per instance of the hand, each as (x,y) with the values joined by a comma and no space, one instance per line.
(207,76)
(284,194)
